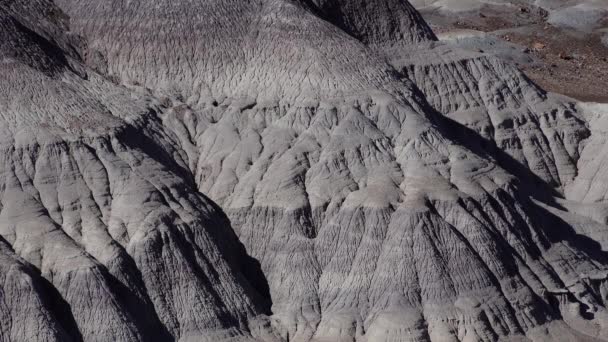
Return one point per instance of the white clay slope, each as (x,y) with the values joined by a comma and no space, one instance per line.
(382,180)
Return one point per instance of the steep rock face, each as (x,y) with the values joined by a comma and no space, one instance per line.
(371,218)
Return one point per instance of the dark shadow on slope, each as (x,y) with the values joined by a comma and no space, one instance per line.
(34,50)
(222,232)
(530,186)
(53,300)
(151,330)
(203,269)
(141,310)
(142,313)
(553,229)
(136,138)
(383,21)
(528,182)
(61,309)
(557,230)
(542,311)
(250,267)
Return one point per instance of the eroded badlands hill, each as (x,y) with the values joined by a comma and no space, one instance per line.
(286,171)
(104,236)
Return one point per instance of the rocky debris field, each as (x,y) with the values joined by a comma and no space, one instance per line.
(292,170)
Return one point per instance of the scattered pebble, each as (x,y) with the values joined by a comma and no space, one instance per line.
(538,46)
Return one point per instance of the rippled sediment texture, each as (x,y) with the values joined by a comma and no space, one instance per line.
(285,171)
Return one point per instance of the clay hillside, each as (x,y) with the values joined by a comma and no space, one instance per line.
(289,170)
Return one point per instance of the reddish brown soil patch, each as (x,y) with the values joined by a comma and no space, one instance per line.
(573,63)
